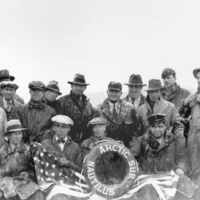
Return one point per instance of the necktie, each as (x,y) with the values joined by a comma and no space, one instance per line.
(61,141)
(115,113)
(133,100)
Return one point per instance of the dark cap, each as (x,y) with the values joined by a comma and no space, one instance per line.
(115,86)
(9,84)
(168,71)
(135,80)
(195,72)
(156,119)
(79,79)
(37,85)
(4,73)
(154,84)
(54,86)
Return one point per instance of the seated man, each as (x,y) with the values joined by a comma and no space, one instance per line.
(16,172)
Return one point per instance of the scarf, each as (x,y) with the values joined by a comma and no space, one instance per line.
(35,105)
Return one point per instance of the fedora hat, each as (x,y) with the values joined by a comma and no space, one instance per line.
(154,84)
(135,80)
(14,125)
(4,73)
(79,79)
(54,86)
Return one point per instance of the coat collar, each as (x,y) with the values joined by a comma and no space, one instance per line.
(68,142)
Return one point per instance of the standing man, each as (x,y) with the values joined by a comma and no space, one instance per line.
(7,101)
(120,115)
(173,92)
(76,106)
(36,115)
(51,94)
(135,86)
(5,76)
(156,105)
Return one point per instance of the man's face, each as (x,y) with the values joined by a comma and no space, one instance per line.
(169,80)
(154,95)
(98,130)
(61,130)
(134,91)
(158,130)
(114,95)
(78,89)
(198,79)
(8,92)
(51,95)
(36,94)
(15,137)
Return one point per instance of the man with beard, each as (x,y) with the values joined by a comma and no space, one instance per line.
(76,106)
(173,92)
(120,115)
(135,86)
(36,115)
(156,105)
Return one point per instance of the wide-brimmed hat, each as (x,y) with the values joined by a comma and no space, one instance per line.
(195,72)
(4,73)
(168,71)
(97,120)
(79,79)
(154,84)
(14,125)
(4,84)
(62,119)
(115,86)
(54,86)
(135,80)
(156,119)
(37,85)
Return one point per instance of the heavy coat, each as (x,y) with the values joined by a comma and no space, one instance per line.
(13,165)
(56,105)
(16,105)
(125,127)
(81,112)
(3,122)
(167,156)
(160,107)
(175,95)
(35,119)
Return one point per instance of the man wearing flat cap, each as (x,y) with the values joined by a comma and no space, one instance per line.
(120,115)
(78,108)
(51,94)
(156,105)
(5,76)
(172,92)
(36,115)
(7,100)
(190,109)
(135,86)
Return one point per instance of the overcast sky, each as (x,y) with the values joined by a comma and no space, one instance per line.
(106,40)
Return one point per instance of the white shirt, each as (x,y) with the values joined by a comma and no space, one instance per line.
(117,106)
(62,145)
(7,104)
(136,102)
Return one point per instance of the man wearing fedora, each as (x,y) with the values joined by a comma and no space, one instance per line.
(7,100)
(172,92)
(156,105)
(5,76)
(35,115)
(135,86)
(120,115)
(51,94)
(16,167)
(76,106)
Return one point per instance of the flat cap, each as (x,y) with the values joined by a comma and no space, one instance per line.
(97,120)
(195,72)
(156,119)
(62,119)
(37,85)
(9,84)
(115,86)
(168,71)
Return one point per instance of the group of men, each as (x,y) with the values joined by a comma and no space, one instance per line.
(152,127)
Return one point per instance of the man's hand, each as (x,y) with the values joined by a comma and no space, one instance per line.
(189,99)
(63,162)
(179,172)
